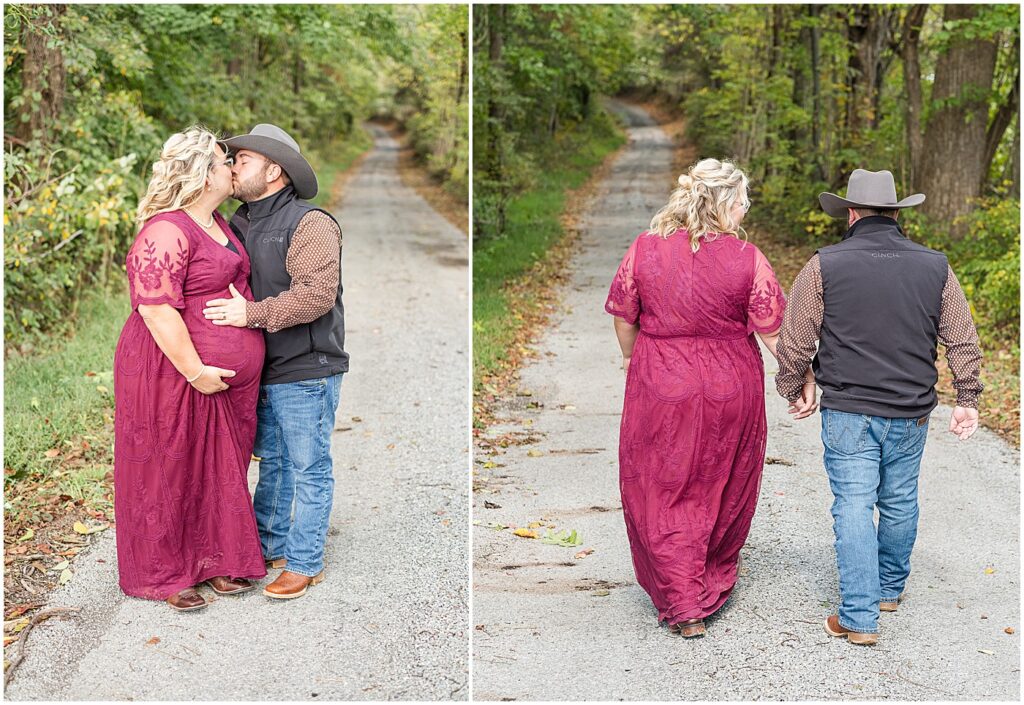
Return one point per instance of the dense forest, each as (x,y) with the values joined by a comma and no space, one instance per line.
(798,96)
(92,91)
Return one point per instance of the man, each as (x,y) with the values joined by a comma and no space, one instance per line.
(295,252)
(877,304)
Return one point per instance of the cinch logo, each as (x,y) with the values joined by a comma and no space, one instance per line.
(272,239)
(886,255)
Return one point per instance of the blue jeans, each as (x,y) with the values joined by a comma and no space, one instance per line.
(294,423)
(872,461)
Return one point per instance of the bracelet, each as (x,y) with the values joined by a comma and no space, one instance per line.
(190,381)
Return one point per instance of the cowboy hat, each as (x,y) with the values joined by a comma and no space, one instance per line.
(278,146)
(867,189)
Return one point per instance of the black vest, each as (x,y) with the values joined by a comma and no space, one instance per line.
(883,295)
(308,350)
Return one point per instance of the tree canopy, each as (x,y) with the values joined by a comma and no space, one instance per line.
(92,91)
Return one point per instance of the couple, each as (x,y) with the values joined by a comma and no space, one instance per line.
(863,323)
(236,338)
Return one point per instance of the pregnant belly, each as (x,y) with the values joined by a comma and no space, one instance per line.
(238,349)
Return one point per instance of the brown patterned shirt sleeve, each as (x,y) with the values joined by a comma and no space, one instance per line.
(801,328)
(314,264)
(958,334)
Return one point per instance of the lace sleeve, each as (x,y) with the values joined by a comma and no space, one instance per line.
(623,296)
(767,302)
(156,265)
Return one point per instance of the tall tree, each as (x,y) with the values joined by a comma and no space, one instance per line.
(952,160)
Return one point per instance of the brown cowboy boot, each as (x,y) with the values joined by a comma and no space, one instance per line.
(223,585)
(188,600)
(834,628)
(290,585)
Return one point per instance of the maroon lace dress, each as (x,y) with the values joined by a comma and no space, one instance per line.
(692,438)
(181,500)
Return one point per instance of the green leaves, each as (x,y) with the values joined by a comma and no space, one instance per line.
(565,539)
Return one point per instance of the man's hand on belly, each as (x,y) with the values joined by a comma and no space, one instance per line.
(227,312)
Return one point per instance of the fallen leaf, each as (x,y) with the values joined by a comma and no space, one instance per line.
(534,524)
(990,570)
(101,389)
(986,652)
(357,419)
(601,593)
(61,566)
(491,505)
(52,453)
(534,453)
(561,538)
(65,576)
(28,535)
(584,553)
(1009,630)
(391,446)
(490,464)
(525,533)
(154,640)
(81,528)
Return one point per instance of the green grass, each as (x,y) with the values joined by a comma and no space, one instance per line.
(532,228)
(51,403)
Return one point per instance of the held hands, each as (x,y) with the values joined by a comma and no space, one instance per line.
(963,423)
(209,380)
(227,312)
(807,404)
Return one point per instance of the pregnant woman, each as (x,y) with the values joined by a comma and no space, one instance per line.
(688,298)
(185,391)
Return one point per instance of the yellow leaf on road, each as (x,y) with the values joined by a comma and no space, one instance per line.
(525,533)
(535,453)
(86,530)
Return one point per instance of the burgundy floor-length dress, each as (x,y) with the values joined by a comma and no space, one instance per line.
(181,499)
(692,438)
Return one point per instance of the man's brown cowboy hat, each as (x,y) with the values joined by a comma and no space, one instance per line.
(868,189)
(278,146)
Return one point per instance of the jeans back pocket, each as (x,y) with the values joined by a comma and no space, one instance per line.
(843,432)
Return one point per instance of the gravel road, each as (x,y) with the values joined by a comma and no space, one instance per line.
(548,626)
(391,619)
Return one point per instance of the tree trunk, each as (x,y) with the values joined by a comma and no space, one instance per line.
(953,160)
(1013,166)
(42,73)
(815,12)
(460,89)
(909,49)
(1008,109)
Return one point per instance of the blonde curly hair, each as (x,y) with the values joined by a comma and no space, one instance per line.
(703,203)
(180,173)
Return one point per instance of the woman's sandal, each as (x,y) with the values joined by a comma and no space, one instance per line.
(188,600)
(689,628)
